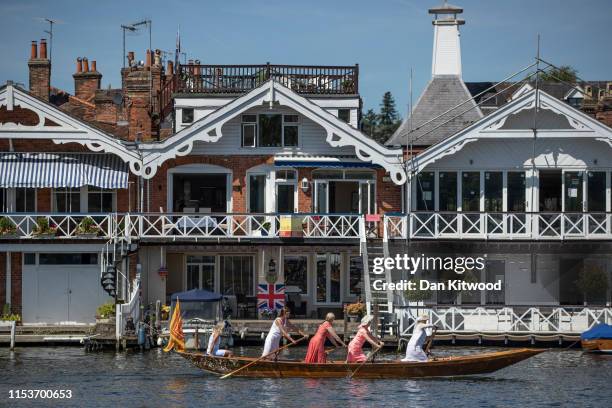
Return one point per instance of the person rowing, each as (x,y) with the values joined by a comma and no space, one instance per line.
(414,350)
(355,347)
(316,348)
(278,330)
(215,340)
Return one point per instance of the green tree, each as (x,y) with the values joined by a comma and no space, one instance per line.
(369,123)
(564,73)
(388,118)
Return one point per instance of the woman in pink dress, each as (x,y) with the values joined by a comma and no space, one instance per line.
(316,347)
(355,347)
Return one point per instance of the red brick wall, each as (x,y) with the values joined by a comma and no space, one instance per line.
(86,84)
(2,280)
(43,200)
(16,282)
(388,194)
(40,78)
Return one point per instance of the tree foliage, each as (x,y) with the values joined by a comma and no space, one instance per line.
(564,73)
(380,126)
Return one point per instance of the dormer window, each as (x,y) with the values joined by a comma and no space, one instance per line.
(187,115)
(344,115)
(270,130)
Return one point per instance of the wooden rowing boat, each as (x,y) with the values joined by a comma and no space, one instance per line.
(441,367)
(597,345)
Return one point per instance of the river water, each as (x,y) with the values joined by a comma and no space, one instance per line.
(157,379)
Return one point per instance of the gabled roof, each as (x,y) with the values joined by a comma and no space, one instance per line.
(441,94)
(60,127)
(555,119)
(209,129)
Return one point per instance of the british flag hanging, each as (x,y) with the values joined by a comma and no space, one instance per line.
(270,296)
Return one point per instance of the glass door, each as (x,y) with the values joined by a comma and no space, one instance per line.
(596,202)
(515,202)
(367,198)
(321,199)
(470,202)
(574,202)
(328,278)
(200,272)
(494,198)
(285,198)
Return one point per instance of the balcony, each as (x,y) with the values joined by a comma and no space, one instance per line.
(517,320)
(499,226)
(239,79)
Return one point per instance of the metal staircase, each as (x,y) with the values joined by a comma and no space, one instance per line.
(379,301)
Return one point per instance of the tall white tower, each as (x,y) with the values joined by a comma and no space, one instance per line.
(447,46)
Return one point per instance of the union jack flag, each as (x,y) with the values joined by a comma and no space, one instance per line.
(271,296)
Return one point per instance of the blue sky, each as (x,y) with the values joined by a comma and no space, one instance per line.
(386,37)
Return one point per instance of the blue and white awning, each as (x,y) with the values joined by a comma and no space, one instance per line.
(314,161)
(39,170)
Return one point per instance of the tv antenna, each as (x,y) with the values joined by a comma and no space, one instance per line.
(50,32)
(133,28)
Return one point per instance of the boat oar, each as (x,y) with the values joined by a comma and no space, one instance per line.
(362,364)
(262,357)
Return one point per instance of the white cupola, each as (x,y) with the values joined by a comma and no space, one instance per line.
(446,46)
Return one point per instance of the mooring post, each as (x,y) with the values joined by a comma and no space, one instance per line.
(13,326)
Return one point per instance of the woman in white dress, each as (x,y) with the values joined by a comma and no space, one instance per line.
(414,350)
(278,330)
(214,341)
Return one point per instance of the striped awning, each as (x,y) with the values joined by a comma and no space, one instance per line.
(345,164)
(38,170)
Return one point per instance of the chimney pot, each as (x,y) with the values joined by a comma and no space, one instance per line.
(34,50)
(148,59)
(85,65)
(170,70)
(43,49)
(79,65)
(94,68)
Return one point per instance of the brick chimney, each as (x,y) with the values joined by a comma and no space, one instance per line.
(40,70)
(86,81)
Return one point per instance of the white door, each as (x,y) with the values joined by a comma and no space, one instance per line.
(61,293)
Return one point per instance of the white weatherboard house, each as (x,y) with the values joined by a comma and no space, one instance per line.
(528,187)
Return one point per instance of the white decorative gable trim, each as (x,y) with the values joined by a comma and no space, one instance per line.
(59,127)
(580,126)
(208,129)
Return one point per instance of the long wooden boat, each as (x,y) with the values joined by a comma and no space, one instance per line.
(597,345)
(441,367)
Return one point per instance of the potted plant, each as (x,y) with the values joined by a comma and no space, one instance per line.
(105,312)
(43,229)
(355,311)
(8,317)
(7,228)
(87,228)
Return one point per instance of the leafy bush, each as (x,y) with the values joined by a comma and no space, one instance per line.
(43,226)
(106,310)
(87,226)
(7,226)
(355,309)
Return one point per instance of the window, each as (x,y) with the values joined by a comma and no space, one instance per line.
(573,191)
(25,200)
(355,275)
(344,115)
(596,196)
(68,259)
(425,191)
(236,275)
(201,272)
(328,278)
(67,199)
(257,193)
(448,191)
(249,130)
(100,200)
(470,190)
(270,130)
(296,272)
(290,130)
(4,207)
(494,186)
(285,175)
(516,191)
(187,115)
(29,258)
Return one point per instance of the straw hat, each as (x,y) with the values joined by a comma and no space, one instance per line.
(367,319)
(423,318)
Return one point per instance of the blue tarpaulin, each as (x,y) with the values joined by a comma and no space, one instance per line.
(196,295)
(601,331)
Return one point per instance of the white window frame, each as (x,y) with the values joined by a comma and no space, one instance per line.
(11,199)
(284,124)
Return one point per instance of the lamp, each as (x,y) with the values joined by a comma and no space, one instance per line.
(304,184)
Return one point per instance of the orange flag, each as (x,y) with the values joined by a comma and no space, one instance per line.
(177,338)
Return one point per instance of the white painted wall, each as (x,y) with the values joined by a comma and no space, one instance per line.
(312,139)
(516,153)
(446,49)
